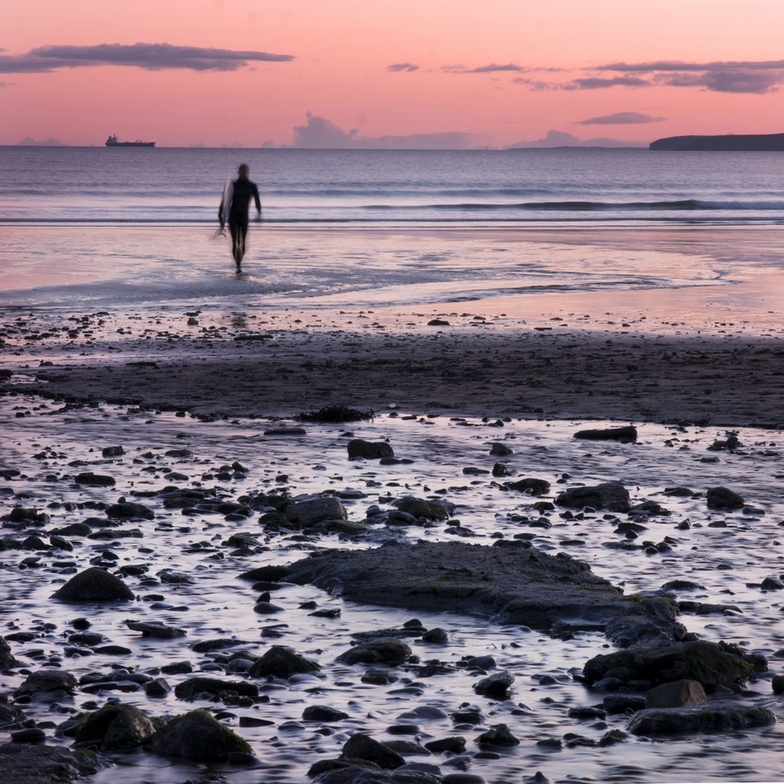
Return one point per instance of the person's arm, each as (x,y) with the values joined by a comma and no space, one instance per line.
(220,214)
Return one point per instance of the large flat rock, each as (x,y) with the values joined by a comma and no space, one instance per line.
(510,584)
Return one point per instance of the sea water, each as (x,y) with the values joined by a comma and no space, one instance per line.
(103,228)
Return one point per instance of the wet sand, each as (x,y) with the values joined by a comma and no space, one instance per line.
(468,365)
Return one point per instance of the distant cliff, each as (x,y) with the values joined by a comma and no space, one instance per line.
(748,142)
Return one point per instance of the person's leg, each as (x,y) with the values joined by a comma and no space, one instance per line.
(243,231)
(235,233)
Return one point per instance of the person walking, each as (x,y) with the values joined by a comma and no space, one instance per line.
(235,206)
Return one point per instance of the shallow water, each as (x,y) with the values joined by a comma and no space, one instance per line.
(43,437)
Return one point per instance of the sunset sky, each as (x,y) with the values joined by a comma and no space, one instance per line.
(377,73)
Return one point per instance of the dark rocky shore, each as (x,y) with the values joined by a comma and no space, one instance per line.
(111,531)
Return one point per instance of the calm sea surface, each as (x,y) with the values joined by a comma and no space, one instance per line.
(135,227)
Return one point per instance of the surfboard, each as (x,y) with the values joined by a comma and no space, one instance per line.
(228,195)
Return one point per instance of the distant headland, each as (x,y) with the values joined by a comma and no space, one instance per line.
(742,142)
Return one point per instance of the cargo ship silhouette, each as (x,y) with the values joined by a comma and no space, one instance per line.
(112,142)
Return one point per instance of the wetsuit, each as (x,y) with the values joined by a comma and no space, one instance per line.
(244,191)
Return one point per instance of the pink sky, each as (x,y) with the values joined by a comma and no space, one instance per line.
(382,73)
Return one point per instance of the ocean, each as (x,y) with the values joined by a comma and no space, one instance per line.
(135,227)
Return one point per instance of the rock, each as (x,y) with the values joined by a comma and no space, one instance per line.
(419,507)
(498,735)
(156,629)
(198,736)
(271,573)
(94,585)
(368,450)
(436,636)
(385,650)
(711,717)
(612,496)
(678,694)
(125,510)
(454,745)
(22,763)
(496,685)
(29,735)
(316,510)
(722,498)
(7,661)
(626,433)
(282,662)
(530,486)
(499,449)
(47,680)
(363,747)
(115,728)
(323,713)
(158,687)
(712,664)
(189,689)
(510,585)
(112,451)
(94,480)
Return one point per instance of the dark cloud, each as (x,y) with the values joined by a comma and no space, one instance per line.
(565,139)
(151,57)
(621,118)
(407,67)
(320,133)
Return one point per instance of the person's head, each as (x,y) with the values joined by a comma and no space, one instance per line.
(244,170)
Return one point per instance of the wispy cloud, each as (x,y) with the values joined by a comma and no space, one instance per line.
(150,57)
(404,67)
(742,76)
(600,83)
(621,118)
(733,76)
(321,133)
(483,69)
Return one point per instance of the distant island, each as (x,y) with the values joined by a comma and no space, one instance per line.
(742,142)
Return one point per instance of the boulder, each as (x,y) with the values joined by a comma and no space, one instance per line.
(189,689)
(530,486)
(713,716)
(198,736)
(7,661)
(711,664)
(115,728)
(363,747)
(626,433)
(23,763)
(368,450)
(720,498)
(316,510)
(386,650)
(508,584)
(95,585)
(281,662)
(612,496)
(419,507)
(678,694)
(125,510)
(47,680)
